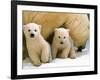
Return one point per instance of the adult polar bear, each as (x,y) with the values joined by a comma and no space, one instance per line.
(77,23)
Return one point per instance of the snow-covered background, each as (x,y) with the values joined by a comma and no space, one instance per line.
(83,59)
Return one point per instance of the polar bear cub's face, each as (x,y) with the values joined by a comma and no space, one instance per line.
(61,35)
(31,30)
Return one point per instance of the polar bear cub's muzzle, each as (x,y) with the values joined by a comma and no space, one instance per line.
(32,35)
(32,30)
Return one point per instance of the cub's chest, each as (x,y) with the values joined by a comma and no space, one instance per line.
(35,46)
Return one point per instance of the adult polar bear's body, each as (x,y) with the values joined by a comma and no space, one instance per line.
(78,24)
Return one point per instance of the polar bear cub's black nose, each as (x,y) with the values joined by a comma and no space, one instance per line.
(61,42)
(32,35)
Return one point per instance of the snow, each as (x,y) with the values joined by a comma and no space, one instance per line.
(82,59)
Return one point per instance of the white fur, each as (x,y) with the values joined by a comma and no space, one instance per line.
(66,49)
(38,49)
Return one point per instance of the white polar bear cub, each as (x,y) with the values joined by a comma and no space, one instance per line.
(62,45)
(38,49)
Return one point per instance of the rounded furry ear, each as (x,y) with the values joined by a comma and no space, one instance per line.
(67,30)
(24,26)
(56,29)
(40,27)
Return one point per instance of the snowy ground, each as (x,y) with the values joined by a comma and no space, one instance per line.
(81,60)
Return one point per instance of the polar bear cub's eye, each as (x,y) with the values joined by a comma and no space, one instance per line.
(29,30)
(58,36)
(35,30)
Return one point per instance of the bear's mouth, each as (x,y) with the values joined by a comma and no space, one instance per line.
(32,35)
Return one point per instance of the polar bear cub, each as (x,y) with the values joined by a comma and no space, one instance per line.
(38,49)
(62,45)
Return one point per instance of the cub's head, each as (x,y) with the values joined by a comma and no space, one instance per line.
(61,35)
(31,30)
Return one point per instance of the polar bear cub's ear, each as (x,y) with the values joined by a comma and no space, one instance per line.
(40,27)
(68,30)
(56,29)
(23,27)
